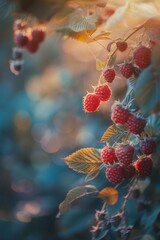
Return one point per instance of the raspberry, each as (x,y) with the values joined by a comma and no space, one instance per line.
(142,56)
(21,40)
(32,47)
(38,35)
(119,114)
(108,155)
(147,146)
(115,174)
(126,70)
(121,45)
(109,74)
(144,166)
(103,93)
(135,124)
(124,153)
(91,102)
(129,171)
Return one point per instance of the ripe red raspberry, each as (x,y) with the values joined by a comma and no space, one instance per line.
(91,102)
(142,56)
(108,155)
(135,124)
(32,47)
(147,146)
(129,171)
(38,35)
(21,40)
(126,70)
(115,174)
(119,114)
(103,93)
(144,166)
(121,45)
(124,153)
(109,74)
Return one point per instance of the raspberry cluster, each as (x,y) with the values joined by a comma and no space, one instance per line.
(120,164)
(28,38)
(121,115)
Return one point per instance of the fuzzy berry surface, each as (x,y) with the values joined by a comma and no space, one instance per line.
(115,174)
(142,56)
(144,166)
(121,45)
(38,35)
(21,40)
(129,171)
(147,146)
(108,155)
(32,47)
(103,92)
(109,75)
(135,124)
(91,102)
(126,70)
(119,114)
(124,153)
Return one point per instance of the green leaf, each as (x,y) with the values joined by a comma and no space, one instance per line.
(74,194)
(110,132)
(85,160)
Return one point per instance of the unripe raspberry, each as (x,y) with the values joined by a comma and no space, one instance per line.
(126,70)
(38,35)
(147,146)
(119,114)
(108,155)
(109,74)
(142,56)
(91,102)
(103,93)
(129,171)
(32,47)
(144,166)
(115,174)
(124,153)
(21,40)
(135,124)
(121,45)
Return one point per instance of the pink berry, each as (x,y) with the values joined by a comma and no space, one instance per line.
(32,47)
(144,166)
(124,153)
(108,155)
(135,124)
(103,93)
(129,171)
(115,174)
(121,45)
(126,70)
(147,146)
(91,102)
(38,35)
(119,114)
(109,74)
(142,56)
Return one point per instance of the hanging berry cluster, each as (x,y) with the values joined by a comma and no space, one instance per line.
(27,38)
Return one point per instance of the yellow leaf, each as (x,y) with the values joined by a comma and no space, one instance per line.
(110,132)
(83,36)
(101,36)
(99,64)
(85,160)
(109,194)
